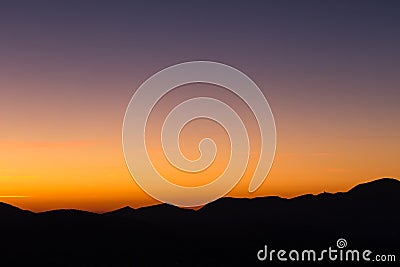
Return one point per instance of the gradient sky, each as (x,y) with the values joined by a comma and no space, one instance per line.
(329,69)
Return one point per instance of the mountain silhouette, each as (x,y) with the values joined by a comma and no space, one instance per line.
(229,231)
(7,211)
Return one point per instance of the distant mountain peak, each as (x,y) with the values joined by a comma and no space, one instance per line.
(124,211)
(7,209)
(377,185)
(385,180)
(126,208)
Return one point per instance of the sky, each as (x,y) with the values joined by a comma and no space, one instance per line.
(329,70)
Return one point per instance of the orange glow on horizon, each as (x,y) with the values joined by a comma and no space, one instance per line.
(77,161)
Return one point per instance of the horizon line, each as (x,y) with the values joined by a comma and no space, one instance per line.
(190,208)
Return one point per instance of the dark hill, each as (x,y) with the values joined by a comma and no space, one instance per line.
(228,231)
(9,210)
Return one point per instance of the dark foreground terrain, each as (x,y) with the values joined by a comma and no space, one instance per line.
(228,232)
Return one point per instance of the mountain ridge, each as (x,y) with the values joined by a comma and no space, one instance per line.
(226,232)
(386,183)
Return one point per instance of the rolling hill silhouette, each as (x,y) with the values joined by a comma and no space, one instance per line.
(228,231)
